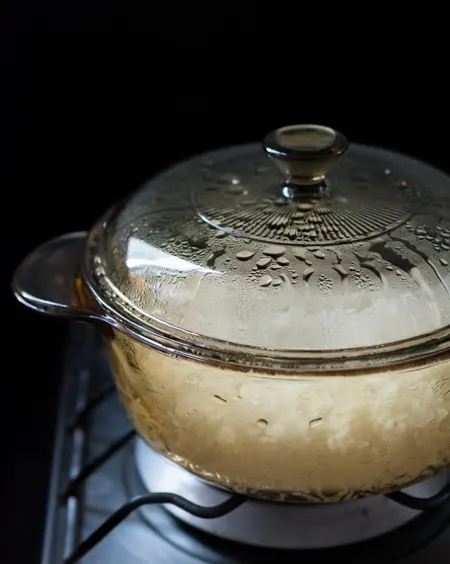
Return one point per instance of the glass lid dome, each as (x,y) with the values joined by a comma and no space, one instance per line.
(304,244)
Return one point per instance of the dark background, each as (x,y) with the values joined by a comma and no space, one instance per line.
(96,98)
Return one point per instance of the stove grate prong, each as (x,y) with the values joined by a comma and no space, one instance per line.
(150,499)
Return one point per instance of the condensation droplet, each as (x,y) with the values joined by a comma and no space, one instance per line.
(274,251)
(307,273)
(319,254)
(262,423)
(340,270)
(198,241)
(283,261)
(443,261)
(264,262)
(245,255)
(300,253)
(219,399)
(229,179)
(265,281)
(221,234)
(316,422)
(276,282)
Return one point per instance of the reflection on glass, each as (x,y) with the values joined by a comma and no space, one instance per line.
(143,254)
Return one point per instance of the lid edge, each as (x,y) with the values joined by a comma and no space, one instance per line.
(177,341)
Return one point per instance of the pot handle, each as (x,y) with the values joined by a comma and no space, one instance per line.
(46,279)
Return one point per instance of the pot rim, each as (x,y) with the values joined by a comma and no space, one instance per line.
(176,341)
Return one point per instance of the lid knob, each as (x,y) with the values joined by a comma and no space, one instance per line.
(304,153)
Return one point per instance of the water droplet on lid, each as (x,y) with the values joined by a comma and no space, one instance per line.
(198,241)
(275,267)
(219,399)
(340,270)
(265,281)
(315,422)
(307,273)
(444,247)
(304,207)
(300,253)
(319,254)
(276,282)
(211,259)
(443,261)
(229,179)
(294,275)
(398,272)
(221,234)
(262,263)
(283,261)
(274,251)
(262,423)
(245,255)
(389,267)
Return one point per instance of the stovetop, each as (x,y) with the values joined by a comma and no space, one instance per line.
(91,519)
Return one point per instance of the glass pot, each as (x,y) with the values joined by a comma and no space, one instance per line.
(279,331)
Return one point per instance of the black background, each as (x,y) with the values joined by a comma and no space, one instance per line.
(98,97)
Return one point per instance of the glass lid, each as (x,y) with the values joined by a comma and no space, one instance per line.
(303,244)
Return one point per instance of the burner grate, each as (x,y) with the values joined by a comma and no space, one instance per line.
(84,362)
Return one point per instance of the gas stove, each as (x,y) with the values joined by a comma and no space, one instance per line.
(114,501)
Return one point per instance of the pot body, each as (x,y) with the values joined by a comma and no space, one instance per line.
(309,437)
(305,437)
